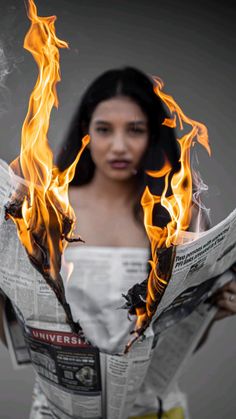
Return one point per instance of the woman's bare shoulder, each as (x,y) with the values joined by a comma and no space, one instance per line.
(79,196)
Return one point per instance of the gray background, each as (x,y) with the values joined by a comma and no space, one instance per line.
(192,48)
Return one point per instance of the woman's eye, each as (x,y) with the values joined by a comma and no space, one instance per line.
(137,131)
(102,130)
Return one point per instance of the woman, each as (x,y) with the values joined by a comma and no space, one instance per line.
(124,118)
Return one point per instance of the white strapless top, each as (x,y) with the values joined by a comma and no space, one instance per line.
(94,291)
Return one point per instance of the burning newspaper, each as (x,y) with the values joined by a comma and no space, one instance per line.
(55,351)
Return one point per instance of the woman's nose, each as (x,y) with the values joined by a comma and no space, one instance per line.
(119,143)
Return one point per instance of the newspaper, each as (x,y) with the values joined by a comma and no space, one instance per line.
(176,342)
(210,255)
(89,374)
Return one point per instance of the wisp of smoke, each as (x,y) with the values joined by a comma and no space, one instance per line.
(203,220)
(4,71)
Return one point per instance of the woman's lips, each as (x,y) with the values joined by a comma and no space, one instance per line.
(120,164)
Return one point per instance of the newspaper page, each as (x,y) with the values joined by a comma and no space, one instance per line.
(67,365)
(210,255)
(68,371)
(176,342)
(124,377)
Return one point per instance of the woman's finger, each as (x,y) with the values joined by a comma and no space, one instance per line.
(221,314)
(227,303)
(230,286)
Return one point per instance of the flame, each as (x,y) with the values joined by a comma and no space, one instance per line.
(46,212)
(178,204)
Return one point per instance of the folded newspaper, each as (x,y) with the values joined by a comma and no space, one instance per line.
(86,372)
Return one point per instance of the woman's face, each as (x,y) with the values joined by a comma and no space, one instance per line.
(119,137)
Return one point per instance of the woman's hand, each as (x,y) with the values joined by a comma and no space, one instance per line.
(225,299)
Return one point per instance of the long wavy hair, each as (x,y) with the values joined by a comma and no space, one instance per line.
(134,84)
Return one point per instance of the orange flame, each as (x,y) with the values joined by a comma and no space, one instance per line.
(46,203)
(178,205)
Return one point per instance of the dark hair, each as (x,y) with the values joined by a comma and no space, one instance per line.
(134,84)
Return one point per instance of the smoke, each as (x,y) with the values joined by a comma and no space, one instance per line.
(4,91)
(4,71)
(202,220)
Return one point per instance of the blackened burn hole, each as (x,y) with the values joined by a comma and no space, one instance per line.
(185,183)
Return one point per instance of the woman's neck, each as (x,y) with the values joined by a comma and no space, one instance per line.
(112,191)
